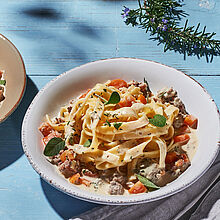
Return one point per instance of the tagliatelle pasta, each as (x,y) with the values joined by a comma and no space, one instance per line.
(108,133)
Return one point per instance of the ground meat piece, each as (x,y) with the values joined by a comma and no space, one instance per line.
(69,168)
(115,188)
(141,85)
(179,104)
(119,178)
(178,121)
(167,94)
(152,172)
(107,175)
(133,82)
(55,159)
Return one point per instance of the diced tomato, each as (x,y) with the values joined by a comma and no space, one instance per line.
(138,187)
(70,155)
(50,136)
(171,157)
(142,99)
(75,179)
(182,139)
(66,154)
(118,83)
(86,182)
(84,94)
(191,120)
(63,156)
(127,101)
(45,129)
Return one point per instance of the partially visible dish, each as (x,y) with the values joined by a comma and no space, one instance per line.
(2,86)
(119,138)
(13,78)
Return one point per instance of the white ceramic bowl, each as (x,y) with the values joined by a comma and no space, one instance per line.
(15,76)
(70,84)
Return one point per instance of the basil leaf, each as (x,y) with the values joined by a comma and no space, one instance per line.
(114,98)
(87,143)
(158,120)
(54,146)
(147,182)
(117,125)
(2,82)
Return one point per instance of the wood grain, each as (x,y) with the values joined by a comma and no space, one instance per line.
(54,36)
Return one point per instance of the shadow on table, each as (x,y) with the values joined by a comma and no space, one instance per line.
(65,205)
(10,130)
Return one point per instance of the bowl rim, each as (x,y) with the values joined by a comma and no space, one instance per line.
(2,119)
(82,195)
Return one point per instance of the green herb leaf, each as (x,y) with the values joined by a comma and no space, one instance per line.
(108,123)
(147,182)
(114,98)
(161,18)
(117,125)
(54,146)
(87,143)
(2,82)
(158,120)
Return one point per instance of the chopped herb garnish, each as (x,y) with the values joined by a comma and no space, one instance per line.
(83,171)
(54,146)
(161,95)
(2,82)
(114,98)
(147,182)
(71,140)
(107,114)
(87,143)
(117,125)
(68,122)
(158,120)
(115,116)
(131,157)
(107,123)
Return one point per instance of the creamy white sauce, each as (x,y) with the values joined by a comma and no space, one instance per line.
(192,145)
(98,186)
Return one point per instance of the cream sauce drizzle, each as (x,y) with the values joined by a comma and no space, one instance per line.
(101,187)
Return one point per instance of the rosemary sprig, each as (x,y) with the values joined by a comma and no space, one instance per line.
(161,18)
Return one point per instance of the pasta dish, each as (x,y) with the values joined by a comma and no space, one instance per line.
(2,87)
(119,138)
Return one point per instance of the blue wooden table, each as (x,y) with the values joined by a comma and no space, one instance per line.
(57,35)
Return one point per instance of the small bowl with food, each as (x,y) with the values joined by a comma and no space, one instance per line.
(12,78)
(121,131)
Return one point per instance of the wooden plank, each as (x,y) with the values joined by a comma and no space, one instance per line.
(54,36)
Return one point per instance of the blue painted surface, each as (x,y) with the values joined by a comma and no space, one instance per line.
(54,36)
